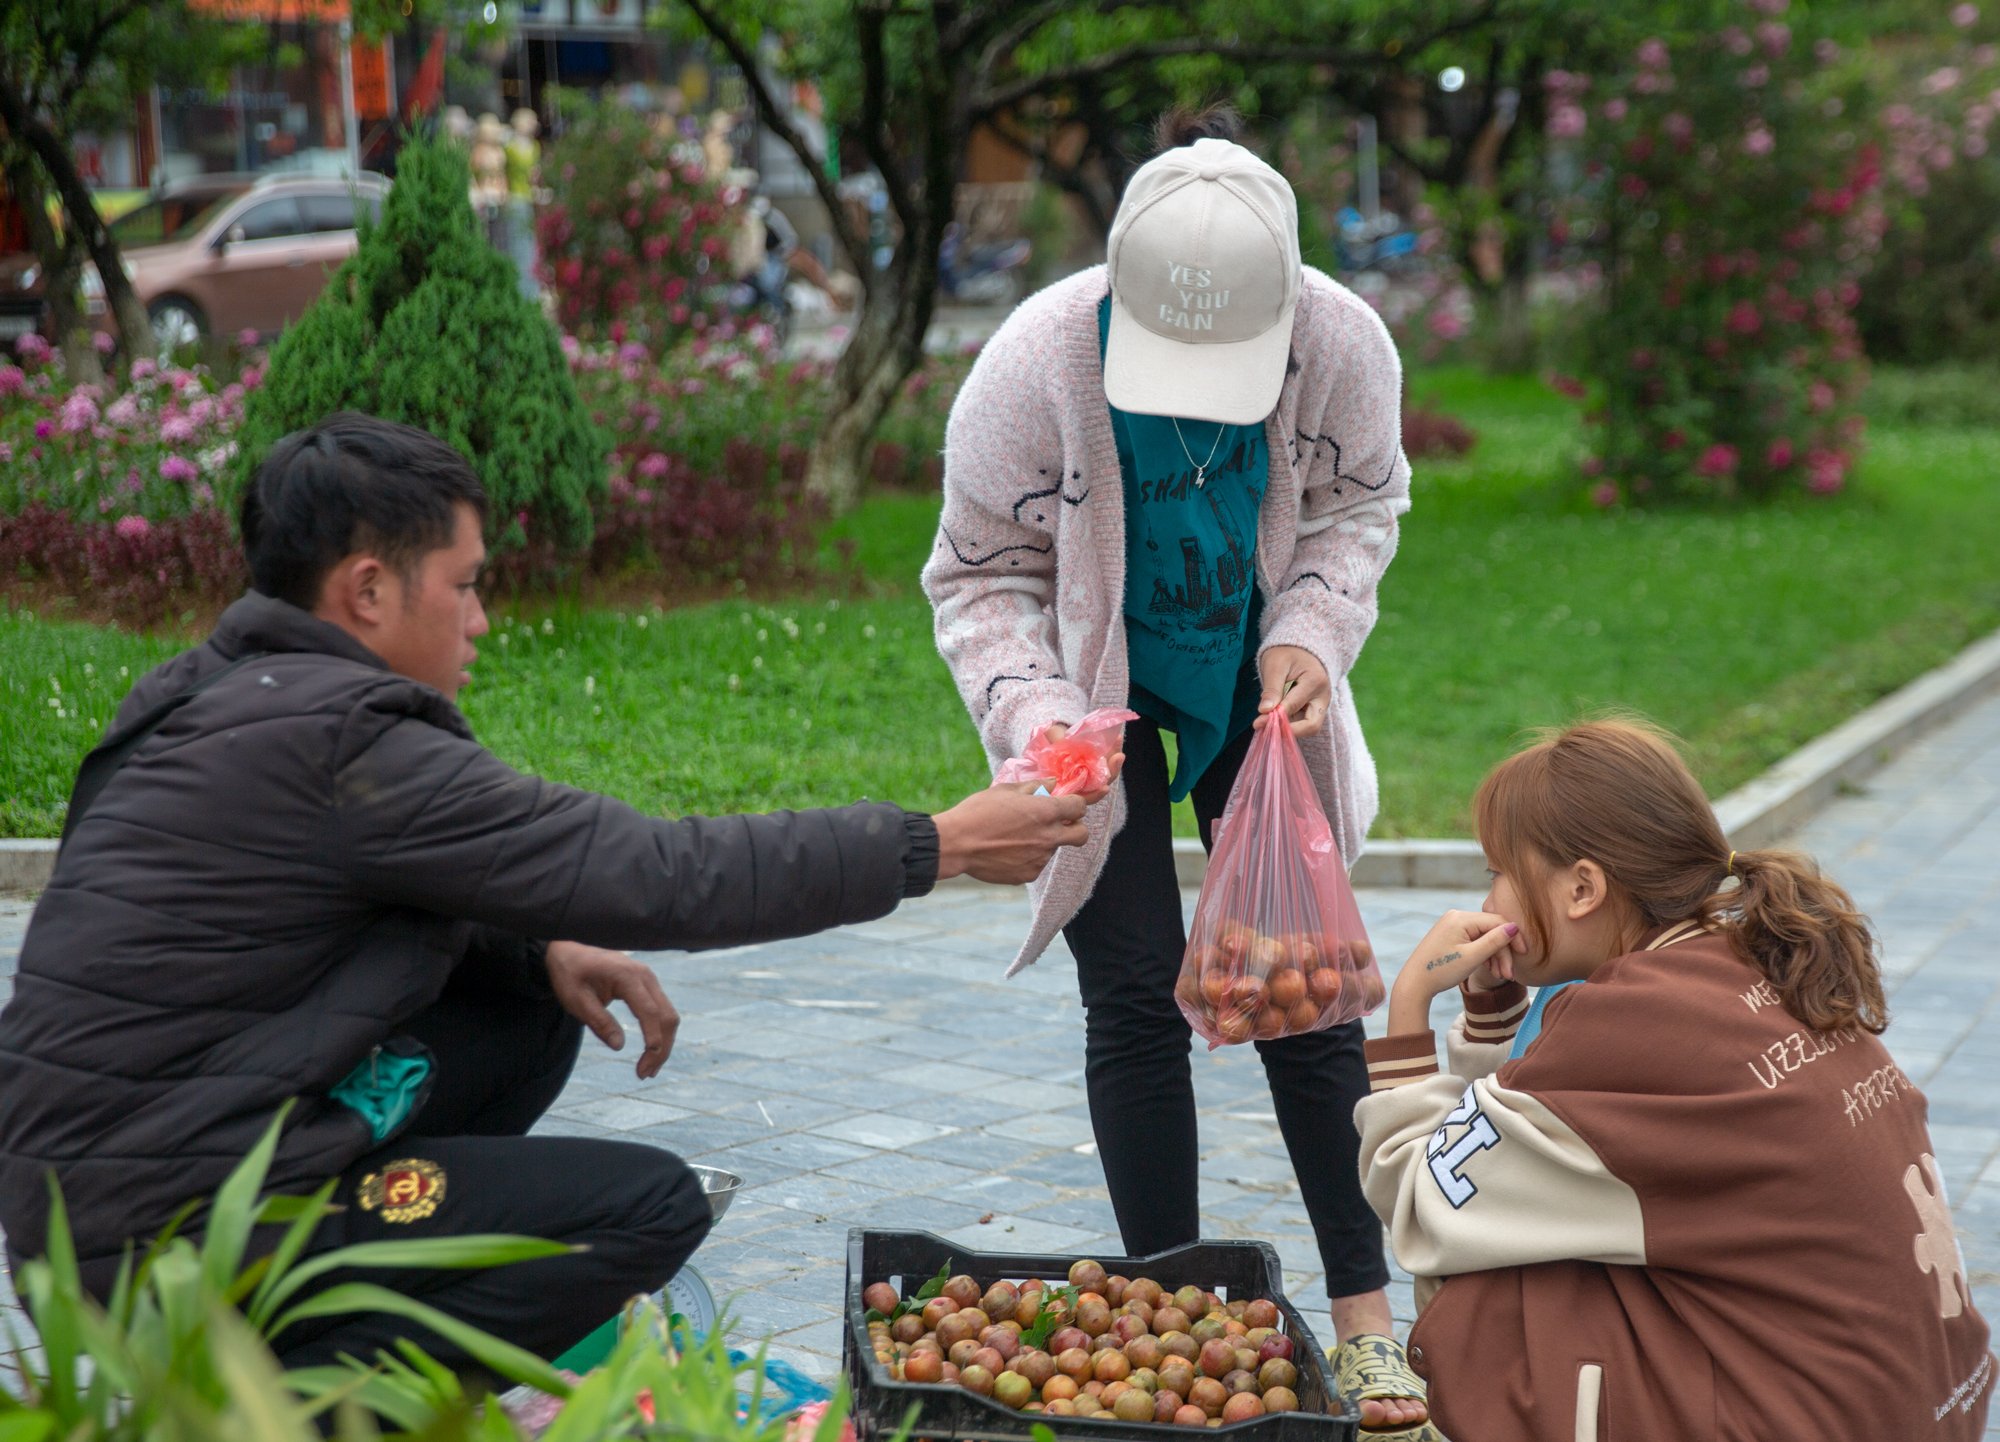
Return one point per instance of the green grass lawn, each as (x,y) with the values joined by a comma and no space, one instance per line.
(1508,607)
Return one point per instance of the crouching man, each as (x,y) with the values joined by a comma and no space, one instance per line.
(290,871)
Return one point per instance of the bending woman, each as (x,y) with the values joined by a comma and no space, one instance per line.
(1703,1203)
(1172,482)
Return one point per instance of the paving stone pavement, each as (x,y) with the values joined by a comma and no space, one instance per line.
(885,1074)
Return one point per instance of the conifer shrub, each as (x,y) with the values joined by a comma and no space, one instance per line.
(425,324)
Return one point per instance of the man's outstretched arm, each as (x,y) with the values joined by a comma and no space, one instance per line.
(426,819)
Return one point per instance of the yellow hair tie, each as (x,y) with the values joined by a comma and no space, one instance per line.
(1730,867)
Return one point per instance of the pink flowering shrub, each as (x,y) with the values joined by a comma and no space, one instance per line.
(709,449)
(154,449)
(109,495)
(635,242)
(1737,205)
(1933,293)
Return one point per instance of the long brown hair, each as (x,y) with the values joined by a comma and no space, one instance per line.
(1616,791)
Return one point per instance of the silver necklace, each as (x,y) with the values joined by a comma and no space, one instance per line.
(1200,467)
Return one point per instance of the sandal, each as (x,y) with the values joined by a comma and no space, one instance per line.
(1374,1365)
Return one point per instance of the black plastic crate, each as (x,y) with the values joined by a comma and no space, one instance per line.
(946,1412)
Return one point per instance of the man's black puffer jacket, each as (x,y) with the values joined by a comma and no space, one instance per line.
(289,869)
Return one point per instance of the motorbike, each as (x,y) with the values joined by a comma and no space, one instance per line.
(981,274)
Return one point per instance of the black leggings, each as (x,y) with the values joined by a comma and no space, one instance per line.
(637,1210)
(1128,941)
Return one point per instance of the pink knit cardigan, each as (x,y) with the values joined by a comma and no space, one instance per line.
(1027,576)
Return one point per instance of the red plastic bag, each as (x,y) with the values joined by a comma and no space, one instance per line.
(1079,763)
(1277,947)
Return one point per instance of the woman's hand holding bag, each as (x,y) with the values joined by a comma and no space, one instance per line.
(1277,947)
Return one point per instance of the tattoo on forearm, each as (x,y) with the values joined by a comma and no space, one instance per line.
(1437,961)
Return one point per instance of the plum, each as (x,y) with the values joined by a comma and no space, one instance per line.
(881,1297)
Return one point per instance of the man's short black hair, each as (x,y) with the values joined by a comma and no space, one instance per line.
(351,483)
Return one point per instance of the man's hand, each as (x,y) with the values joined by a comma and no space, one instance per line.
(587,979)
(1007,834)
(1294,679)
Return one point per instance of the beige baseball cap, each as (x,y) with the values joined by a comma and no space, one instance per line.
(1204,265)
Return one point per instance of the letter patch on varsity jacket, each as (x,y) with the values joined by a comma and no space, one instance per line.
(1448,1155)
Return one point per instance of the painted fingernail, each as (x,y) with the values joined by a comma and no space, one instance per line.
(1512,929)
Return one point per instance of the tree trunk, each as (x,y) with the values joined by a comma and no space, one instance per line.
(888,339)
(1513,323)
(135,331)
(61,259)
(888,343)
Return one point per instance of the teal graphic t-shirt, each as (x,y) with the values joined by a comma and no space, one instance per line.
(1531,1021)
(1190,575)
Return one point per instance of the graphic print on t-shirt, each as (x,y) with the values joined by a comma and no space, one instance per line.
(1200,611)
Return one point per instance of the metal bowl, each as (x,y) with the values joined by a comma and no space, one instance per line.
(720,1186)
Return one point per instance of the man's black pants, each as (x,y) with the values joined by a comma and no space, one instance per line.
(1128,941)
(501,1061)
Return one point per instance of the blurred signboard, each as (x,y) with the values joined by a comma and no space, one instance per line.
(372,98)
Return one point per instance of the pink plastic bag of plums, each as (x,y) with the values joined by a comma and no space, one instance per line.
(1078,764)
(1277,946)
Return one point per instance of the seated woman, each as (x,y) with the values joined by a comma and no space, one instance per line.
(1703,1203)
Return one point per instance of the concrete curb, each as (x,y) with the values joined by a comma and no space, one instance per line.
(25,864)
(1758,813)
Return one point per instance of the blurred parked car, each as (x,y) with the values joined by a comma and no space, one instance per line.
(217,255)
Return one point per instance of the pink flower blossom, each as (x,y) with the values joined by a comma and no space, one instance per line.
(1775,36)
(1755,77)
(79,412)
(1736,41)
(177,428)
(1615,109)
(1826,51)
(1604,495)
(1678,127)
(1940,80)
(1779,454)
(178,468)
(653,465)
(1717,460)
(1965,16)
(144,369)
(33,349)
(1652,54)
(247,337)
(44,428)
(1744,319)
(13,380)
(124,411)
(1826,471)
(1819,397)
(102,342)
(1759,141)
(133,528)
